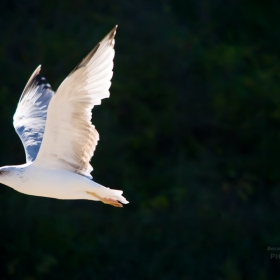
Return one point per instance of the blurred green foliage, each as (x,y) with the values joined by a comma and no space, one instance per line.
(190,133)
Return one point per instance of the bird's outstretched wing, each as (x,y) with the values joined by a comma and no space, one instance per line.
(31,113)
(70,138)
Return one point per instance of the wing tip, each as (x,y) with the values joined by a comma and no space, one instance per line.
(108,39)
(38,69)
(112,33)
(30,81)
(34,74)
(35,80)
(110,36)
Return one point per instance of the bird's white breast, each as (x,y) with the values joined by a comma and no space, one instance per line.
(61,184)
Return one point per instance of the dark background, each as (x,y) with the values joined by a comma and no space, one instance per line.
(190,133)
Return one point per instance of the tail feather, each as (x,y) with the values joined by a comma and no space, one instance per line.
(105,192)
(118,195)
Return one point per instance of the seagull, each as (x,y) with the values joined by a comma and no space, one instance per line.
(57,134)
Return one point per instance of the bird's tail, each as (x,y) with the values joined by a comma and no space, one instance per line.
(100,192)
(117,194)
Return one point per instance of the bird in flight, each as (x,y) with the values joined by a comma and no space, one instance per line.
(57,134)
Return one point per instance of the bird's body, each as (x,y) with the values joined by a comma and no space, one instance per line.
(34,180)
(57,133)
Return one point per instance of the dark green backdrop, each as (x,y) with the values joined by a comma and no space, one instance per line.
(190,133)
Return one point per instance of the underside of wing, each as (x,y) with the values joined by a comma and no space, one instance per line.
(70,138)
(31,113)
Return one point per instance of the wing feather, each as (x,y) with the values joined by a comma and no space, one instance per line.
(31,112)
(70,138)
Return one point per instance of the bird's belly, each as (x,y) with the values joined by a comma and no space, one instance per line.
(60,184)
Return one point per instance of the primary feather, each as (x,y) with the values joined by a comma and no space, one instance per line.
(31,113)
(70,138)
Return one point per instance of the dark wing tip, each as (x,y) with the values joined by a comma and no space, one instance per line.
(35,80)
(108,38)
(34,74)
(113,32)
(111,35)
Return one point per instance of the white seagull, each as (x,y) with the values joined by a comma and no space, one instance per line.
(57,134)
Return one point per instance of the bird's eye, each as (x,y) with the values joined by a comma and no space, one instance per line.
(1,172)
